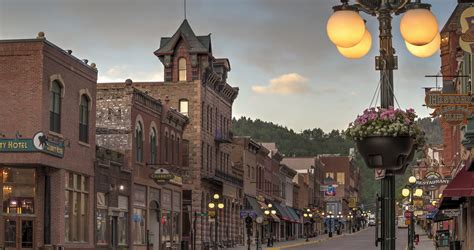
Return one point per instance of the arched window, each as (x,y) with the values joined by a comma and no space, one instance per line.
(84,119)
(139,142)
(55,107)
(183,107)
(182,69)
(153,148)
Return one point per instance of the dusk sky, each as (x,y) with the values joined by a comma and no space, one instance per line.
(286,68)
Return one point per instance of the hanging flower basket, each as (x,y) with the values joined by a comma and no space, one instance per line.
(385,137)
(407,162)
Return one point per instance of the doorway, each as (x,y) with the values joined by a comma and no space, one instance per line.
(154,225)
(18,233)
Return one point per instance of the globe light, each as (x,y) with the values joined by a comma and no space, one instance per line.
(440,196)
(412,180)
(418,26)
(359,50)
(270,205)
(405,192)
(216,196)
(274,212)
(305,215)
(345,28)
(425,50)
(322,213)
(310,215)
(307,210)
(418,192)
(267,212)
(220,205)
(211,205)
(433,203)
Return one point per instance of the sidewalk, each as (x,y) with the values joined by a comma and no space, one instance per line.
(425,242)
(295,243)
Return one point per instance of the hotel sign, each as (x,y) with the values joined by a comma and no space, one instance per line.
(39,143)
(452,108)
(162,176)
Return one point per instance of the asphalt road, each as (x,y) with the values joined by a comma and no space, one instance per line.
(363,240)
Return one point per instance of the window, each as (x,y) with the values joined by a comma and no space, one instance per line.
(182,69)
(139,142)
(330,175)
(138,226)
(183,107)
(101,226)
(55,108)
(153,149)
(177,151)
(18,191)
(84,119)
(122,220)
(340,178)
(77,197)
(166,146)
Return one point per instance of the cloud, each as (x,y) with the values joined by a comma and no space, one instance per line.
(286,84)
(123,72)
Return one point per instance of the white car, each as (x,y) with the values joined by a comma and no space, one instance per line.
(371,222)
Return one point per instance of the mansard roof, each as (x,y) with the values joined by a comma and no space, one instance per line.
(197,44)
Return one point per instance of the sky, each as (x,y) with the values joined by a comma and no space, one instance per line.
(287,70)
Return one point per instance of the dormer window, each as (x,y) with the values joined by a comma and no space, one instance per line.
(182,69)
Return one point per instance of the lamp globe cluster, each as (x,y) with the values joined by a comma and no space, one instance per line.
(347,31)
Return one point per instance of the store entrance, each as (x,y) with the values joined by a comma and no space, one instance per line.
(19,233)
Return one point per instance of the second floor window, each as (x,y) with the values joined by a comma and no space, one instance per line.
(153,150)
(139,142)
(55,108)
(182,70)
(84,119)
(183,107)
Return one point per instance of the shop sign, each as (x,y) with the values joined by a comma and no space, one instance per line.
(162,176)
(452,108)
(245,213)
(466,40)
(39,143)
(451,212)
(432,181)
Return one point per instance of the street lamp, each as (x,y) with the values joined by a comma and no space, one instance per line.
(309,215)
(345,29)
(330,218)
(411,190)
(349,218)
(268,211)
(215,205)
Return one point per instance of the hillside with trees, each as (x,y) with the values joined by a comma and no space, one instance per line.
(312,142)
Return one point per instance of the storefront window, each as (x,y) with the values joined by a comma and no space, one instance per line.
(138,226)
(122,229)
(10,233)
(167,225)
(176,227)
(76,223)
(18,190)
(101,227)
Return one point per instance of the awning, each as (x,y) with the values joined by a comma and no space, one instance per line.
(439,216)
(254,205)
(451,202)
(282,212)
(293,214)
(461,186)
(272,216)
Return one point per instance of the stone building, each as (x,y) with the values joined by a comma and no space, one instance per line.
(195,82)
(47,146)
(150,135)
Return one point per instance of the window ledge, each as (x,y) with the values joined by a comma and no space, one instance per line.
(84,144)
(140,163)
(56,134)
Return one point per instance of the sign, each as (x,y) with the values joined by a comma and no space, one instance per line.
(162,176)
(200,214)
(466,40)
(330,191)
(418,203)
(352,202)
(452,108)
(39,143)
(259,219)
(451,212)
(407,214)
(379,173)
(432,181)
(245,213)
(212,214)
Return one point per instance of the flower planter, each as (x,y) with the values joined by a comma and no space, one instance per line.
(407,163)
(385,152)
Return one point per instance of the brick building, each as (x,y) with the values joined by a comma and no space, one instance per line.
(196,84)
(47,147)
(150,135)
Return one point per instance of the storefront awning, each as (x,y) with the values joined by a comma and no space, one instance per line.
(272,216)
(255,206)
(461,186)
(439,216)
(281,212)
(293,214)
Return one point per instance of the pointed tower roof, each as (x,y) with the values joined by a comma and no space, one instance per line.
(196,44)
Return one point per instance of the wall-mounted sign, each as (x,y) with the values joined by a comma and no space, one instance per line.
(432,181)
(466,40)
(352,202)
(39,143)
(379,173)
(330,191)
(451,212)
(162,176)
(452,108)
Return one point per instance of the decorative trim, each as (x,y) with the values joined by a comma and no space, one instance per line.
(139,119)
(59,79)
(88,94)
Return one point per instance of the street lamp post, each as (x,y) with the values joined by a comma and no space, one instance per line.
(330,218)
(268,212)
(215,205)
(410,191)
(347,31)
(309,215)
(349,217)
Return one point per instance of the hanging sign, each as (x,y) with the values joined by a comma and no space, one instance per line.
(39,143)
(452,108)
(466,40)
(162,176)
(432,181)
(330,191)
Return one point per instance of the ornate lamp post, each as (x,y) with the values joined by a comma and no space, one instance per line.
(349,218)
(215,205)
(309,215)
(268,212)
(347,31)
(410,191)
(330,219)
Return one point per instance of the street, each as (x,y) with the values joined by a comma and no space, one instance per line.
(362,240)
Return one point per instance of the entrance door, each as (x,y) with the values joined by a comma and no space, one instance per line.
(19,233)
(154,225)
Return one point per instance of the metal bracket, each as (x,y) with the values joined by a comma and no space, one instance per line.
(381,64)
